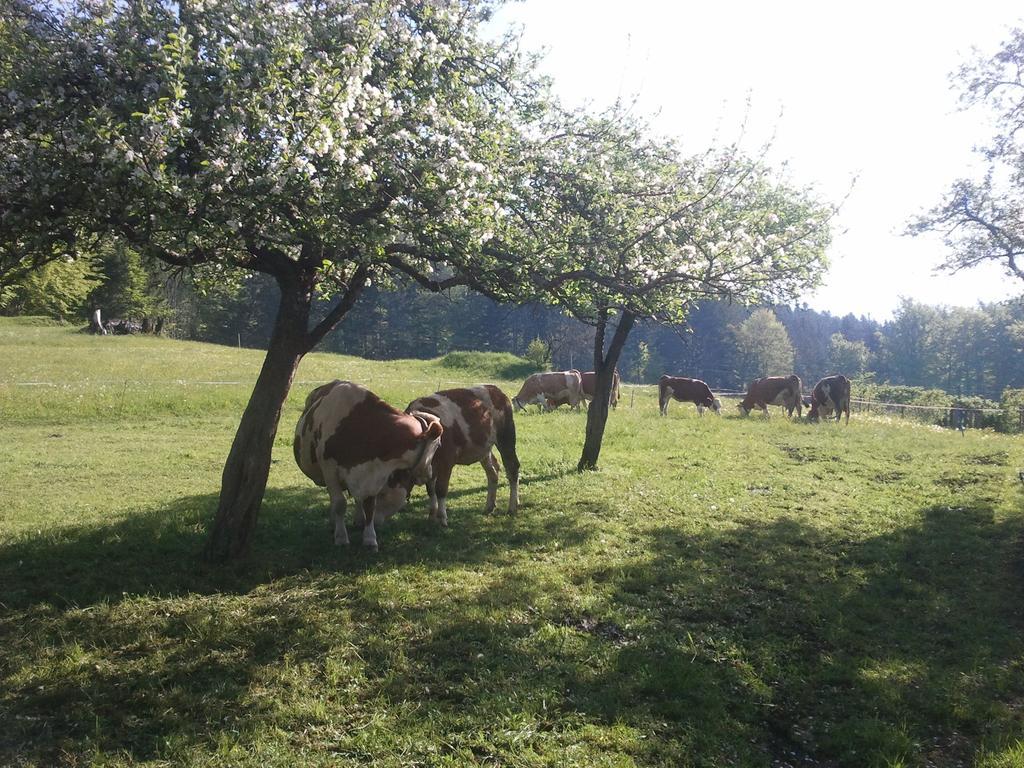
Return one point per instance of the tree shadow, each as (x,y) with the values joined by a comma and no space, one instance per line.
(775,643)
(766,643)
(905,646)
(118,638)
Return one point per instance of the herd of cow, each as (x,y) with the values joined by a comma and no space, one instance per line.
(351,441)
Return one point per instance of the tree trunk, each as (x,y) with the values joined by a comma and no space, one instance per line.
(604,368)
(248,464)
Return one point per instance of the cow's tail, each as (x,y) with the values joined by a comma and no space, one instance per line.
(795,387)
(663,395)
(505,433)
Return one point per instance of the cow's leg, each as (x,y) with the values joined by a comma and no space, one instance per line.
(442,476)
(490,465)
(432,492)
(338,505)
(506,445)
(368,506)
(764,410)
(700,410)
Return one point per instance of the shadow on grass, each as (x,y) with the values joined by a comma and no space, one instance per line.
(118,638)
(766,644)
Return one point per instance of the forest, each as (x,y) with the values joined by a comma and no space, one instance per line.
(963,351)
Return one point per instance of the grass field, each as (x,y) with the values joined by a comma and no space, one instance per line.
(724,591)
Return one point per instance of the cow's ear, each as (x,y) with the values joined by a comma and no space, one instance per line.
(434,428)
(433,431)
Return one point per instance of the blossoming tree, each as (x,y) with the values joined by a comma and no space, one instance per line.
(629,228)
(325,143)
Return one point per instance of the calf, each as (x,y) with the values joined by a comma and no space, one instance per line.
(475,420)
(557,385)
(773,390)
(588,385)
(348,439)
(831,394)
(686,391)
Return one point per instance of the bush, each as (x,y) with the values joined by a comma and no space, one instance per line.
(489,365)
(1011,402)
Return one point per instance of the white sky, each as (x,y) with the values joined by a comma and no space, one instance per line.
(849,90)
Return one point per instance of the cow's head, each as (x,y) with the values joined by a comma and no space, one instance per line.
(716,405)
(744,409)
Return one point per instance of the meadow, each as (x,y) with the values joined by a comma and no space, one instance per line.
(723,591)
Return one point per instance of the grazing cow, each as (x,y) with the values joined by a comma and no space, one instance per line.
(588,382)
(348,439)
(831,394)
(773,390)
(686,391)
(475,420)
(557,385)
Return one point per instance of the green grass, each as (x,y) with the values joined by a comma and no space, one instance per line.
(723,591)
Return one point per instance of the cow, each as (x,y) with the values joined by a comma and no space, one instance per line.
(588,383)
(350,440)
(557,385)
(475,420)
(686,391)
(773,390)
(831,394)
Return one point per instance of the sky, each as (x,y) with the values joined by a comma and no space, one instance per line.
(857,96)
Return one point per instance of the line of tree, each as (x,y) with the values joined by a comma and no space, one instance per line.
(964,351)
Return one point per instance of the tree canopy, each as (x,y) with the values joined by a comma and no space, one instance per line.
(982,219)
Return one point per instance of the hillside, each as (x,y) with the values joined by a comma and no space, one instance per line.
(723,591)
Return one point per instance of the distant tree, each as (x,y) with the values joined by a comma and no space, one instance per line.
(539,353)
(58,289)
(908,343)
(570,340)
(763,346)
(129,288)
(847,357)
(982,219)
(642,366)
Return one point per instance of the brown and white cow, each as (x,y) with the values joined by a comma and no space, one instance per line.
(773,390)
(686,391)
(830,395)
(588,383)
(475,420)
(348,439)
(557,385)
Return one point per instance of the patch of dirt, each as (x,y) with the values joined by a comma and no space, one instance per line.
(961,481)
(805,455)
(893,476)
(608,630)
(999,459)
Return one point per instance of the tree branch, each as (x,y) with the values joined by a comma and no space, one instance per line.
(355,287)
